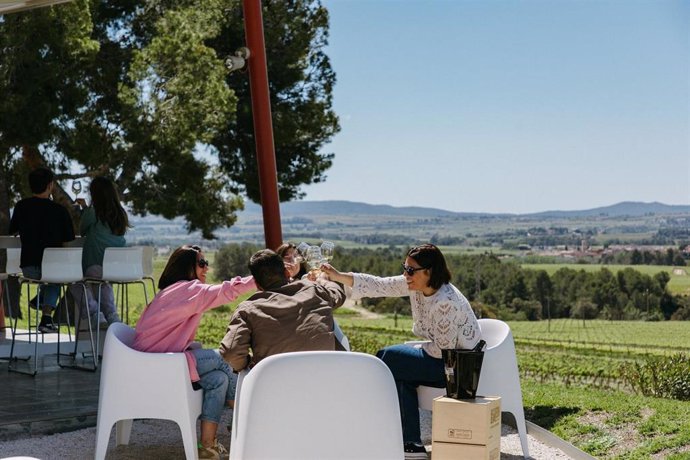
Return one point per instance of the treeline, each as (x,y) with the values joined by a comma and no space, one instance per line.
(505,290)
(670,256)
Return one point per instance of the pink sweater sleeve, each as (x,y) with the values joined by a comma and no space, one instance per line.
(227,291)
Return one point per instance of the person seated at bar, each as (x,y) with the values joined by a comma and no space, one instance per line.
(440,313)
(41,223)
(282,316)
(170,322)
(103,225)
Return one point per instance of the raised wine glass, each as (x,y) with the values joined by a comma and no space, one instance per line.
(314,259)
(76,188)
(327,249)
(302,249)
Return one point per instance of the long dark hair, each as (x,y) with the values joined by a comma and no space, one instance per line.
(106,202)
(181,266)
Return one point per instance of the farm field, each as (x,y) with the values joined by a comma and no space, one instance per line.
(678,284)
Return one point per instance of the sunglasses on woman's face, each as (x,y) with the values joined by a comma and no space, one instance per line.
(410,270)
(202,263)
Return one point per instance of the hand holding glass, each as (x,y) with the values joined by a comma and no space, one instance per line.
(76,188)
(327,249)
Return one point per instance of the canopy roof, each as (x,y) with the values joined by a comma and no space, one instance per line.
(12,6)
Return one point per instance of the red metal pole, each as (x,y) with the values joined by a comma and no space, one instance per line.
(263,127)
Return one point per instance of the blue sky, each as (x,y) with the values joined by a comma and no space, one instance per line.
(509,106)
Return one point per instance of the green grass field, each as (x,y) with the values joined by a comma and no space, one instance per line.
(678,284)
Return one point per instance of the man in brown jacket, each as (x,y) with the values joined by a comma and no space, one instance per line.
(282,316)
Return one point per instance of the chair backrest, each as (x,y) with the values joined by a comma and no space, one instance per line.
(134,383)
(61,265)
(147,260)
(318,405)
(500,374)
(494,332)
(12,261)
(123,264)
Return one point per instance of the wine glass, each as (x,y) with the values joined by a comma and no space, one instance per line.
(327,249)
(314,259)
(302,249)
(76,188)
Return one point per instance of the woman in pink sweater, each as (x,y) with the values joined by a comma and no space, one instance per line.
(170,322)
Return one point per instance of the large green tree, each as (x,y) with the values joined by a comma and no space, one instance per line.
(139,90)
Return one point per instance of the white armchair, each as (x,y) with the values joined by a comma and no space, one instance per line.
(135,384)
(317,405)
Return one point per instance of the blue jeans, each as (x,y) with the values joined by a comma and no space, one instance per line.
(49,292)
(412,367)
(108,306)
(218,382)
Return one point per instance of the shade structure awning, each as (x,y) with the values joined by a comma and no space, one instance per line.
(13,6)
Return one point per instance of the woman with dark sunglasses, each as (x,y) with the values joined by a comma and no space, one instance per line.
(170,322)
(440,313)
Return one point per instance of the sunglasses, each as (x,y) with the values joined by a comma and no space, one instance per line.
(202,263)
(410,270)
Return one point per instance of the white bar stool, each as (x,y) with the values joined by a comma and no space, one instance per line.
(121,267)
(148,253)
(60,266)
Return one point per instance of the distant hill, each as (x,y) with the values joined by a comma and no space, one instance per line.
(625,208)
(336,208)
(349,208)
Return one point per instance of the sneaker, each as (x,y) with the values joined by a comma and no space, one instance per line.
(46,326)
(414,451)
(216,452)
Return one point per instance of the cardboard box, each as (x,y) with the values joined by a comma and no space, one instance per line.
(455,451)
(466,421)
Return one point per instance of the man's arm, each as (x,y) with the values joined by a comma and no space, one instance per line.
(234,348)
(336,292)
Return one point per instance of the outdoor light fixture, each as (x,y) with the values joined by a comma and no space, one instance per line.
(239,60)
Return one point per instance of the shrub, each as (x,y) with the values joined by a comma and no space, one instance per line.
(660,376)
(231,260)
(401,305)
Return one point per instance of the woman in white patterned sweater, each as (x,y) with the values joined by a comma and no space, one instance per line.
(440,313)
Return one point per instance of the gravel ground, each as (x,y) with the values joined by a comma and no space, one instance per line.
(160,439)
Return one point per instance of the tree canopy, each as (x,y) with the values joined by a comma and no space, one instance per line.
(138,90)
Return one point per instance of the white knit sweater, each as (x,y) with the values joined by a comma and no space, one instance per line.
(445,317)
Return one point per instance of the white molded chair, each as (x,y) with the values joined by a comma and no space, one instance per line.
(148,253)
(11,269)
(135,384)
(122,267)
(317,405)
(499,376)
(60,266)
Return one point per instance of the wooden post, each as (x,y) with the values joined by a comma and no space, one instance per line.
(263,127)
